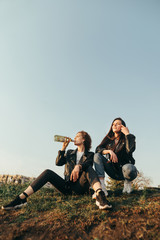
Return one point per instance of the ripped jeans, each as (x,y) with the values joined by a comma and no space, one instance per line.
(127,171)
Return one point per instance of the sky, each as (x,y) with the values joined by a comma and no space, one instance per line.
(72,65)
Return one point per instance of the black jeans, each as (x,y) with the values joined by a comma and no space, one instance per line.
(87,178)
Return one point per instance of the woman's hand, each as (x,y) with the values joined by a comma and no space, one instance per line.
(124,130)
(75,173)
(65,144)
(113,157)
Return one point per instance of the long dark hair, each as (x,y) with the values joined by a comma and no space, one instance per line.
(87,140)
(110,135)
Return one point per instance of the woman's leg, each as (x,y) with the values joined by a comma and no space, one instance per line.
(29,191)
(99,167)
(126,173)
(89,178)
(123,173)
(49,176)
(44,177)
(94,181)
(130,173)
(98,164)
(41,180)
(86,179)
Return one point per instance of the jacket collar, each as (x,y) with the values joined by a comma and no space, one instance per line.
(83,158)
(75,151)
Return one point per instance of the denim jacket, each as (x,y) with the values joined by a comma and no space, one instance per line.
(69,159)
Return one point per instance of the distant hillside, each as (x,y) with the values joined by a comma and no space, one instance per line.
(18,179)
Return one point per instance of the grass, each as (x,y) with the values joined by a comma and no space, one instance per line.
(50,215)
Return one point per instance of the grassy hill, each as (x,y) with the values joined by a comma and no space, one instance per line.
(50,215)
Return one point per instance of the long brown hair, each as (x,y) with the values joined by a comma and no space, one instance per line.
(87,140)
(110,135)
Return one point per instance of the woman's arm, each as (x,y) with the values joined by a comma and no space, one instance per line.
(100,149)
(61,158)
(130,140)
(130,143)
(104,151)
(113,156)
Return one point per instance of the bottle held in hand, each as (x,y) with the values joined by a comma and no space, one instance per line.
(58,138)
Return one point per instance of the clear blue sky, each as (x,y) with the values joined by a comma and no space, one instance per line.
(75,65)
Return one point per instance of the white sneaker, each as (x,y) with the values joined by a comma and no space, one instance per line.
(129,189)
(127,186)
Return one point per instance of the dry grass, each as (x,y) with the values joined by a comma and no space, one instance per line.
(49,215)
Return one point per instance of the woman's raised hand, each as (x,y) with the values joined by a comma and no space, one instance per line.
(65,144)
(124,130)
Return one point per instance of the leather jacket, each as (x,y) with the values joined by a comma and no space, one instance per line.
(123,150)
(69,159)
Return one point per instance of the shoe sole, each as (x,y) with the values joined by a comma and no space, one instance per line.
(15,207)
(103,207)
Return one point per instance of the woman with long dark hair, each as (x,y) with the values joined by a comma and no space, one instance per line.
(114,155)
(79,174)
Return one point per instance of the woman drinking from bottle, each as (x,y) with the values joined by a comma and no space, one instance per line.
(79,174)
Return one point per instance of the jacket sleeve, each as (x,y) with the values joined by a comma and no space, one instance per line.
(100,149)
(61,158)
(130,143)
(88,161)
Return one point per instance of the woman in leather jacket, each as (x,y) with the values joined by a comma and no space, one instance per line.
(114,155)
(79,174)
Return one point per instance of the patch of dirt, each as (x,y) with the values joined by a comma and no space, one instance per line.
(122,223)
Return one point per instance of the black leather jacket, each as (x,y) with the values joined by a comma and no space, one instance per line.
(123,150)
(69,159)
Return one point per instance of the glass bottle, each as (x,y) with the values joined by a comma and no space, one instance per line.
(59,138)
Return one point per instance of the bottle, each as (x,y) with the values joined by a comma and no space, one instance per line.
(58,138)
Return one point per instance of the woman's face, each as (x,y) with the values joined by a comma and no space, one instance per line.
(78,140)
(116,126)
